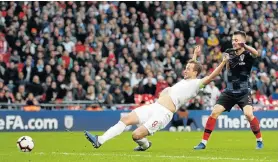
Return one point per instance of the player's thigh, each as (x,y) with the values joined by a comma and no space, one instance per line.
(245,101)
(130,119)
(225,102)
(140,133)
(158,121)
(141,114)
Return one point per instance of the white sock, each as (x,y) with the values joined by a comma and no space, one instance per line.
(144,143)
(260,139)
(204,142)
(112,132)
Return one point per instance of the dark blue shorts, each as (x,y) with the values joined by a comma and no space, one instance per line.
(228,100)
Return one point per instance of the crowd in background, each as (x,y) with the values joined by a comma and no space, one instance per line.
(114,51)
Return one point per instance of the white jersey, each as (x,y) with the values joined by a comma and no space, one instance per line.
(183,91)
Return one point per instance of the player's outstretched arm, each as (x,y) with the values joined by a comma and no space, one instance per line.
(253,51)
(206,80)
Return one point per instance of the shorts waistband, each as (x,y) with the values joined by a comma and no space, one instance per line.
(164,107)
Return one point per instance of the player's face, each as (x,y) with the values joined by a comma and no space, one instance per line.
(236,40)
(189,71)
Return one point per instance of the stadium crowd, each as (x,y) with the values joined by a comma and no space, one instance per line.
(115,52)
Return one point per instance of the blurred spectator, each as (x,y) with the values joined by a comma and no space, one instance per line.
(2,67)
(15,57)
(68,44)
(68,96)
(90,93)
(128,93)
(19,99)
(179,120)
(196,104)
(160,86)
(79,93)
(51,92)
(61,86)
(37,86)
(31,100)
(28,71)
(66,61)
(22,92)
(5,96)
(213,93)
(3,45)
(118,97)
(212,39)
(11,73)
(39,69)
(274,95)
(182,122)
(149,88)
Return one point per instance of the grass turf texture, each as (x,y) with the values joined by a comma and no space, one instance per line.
(171,147)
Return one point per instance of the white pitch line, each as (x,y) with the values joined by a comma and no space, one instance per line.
(154,156)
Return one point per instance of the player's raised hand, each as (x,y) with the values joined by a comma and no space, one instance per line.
(242,44)
(197,52)
(226,57)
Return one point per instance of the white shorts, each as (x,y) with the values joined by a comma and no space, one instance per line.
(154,117)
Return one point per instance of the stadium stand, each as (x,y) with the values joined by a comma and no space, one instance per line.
(127,52)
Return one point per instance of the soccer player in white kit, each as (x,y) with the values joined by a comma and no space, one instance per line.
(154,117)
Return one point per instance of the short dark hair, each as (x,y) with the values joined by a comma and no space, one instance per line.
(239,32)
(197,66)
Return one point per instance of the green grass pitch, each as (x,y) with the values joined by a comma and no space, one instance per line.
(171,147)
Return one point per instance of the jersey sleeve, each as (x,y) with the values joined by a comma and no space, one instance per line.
(251,58)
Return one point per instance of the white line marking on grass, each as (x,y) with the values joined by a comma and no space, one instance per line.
(154,156)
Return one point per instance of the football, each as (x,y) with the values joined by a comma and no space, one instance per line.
(25,144)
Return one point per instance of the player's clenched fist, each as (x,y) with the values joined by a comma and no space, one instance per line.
(197,52)
(197,49)
(226,57)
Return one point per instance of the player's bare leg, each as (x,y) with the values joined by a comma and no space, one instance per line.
(254,125)
(117,129)
(139,136)
(217,110)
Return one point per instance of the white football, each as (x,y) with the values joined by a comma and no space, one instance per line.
(25,144)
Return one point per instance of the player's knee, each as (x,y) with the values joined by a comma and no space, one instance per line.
(126,120)
(249,115)
(136,135)
(130,119)
(214,115)
(217,110)
(248,112)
